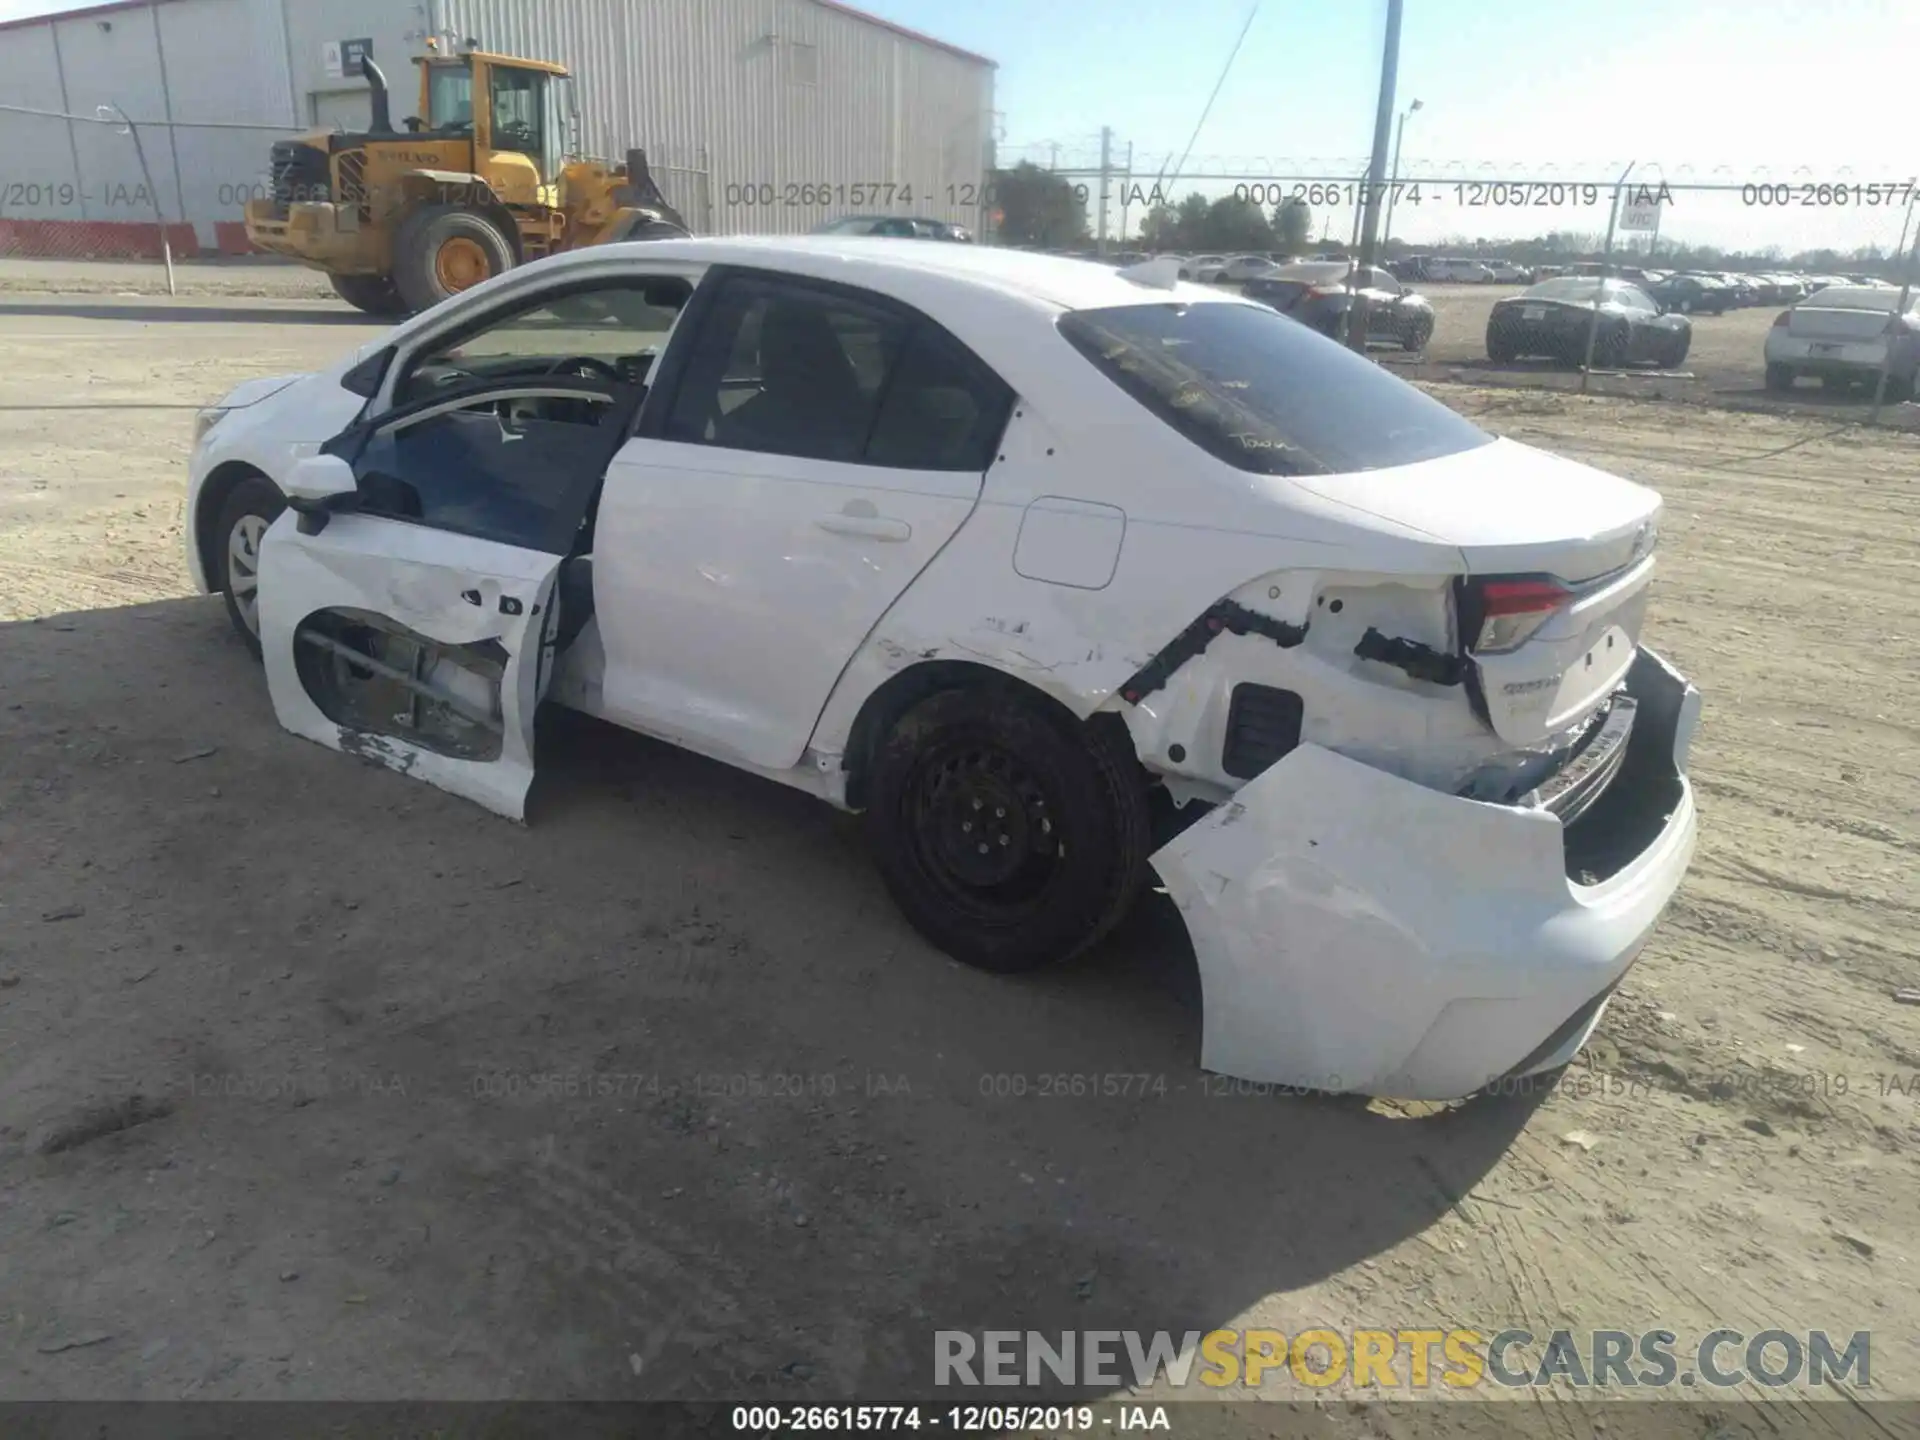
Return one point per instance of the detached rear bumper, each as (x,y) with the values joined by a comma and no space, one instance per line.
(1357,932)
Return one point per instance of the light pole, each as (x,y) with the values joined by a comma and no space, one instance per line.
(1393,187)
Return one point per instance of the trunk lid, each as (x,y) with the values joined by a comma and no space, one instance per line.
(1843,315)
(1516,513)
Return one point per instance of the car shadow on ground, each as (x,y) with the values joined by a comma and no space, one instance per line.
(188,312)
(806,1141)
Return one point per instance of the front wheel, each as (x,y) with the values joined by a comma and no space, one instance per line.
(252,506)
(1010,835)
(442,250)
(1417,333)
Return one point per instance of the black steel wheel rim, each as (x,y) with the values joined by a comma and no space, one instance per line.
(983,827)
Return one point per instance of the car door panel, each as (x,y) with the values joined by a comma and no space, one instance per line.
(746,550)
(412,627)
(733,586)
(460,616)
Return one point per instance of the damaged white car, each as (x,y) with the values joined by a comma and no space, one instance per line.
(1057,574)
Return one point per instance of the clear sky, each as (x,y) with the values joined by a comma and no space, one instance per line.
(1782,90)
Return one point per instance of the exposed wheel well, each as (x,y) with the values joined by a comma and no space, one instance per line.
(901,692)
(213,497)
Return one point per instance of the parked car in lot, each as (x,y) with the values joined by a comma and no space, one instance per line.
(1552,319)
(1462,272)
(1243,268)
(1842,335)
(1007,554)
(1691,295)
(898,227)
(1318,294)
(1205,269)
(1505,272)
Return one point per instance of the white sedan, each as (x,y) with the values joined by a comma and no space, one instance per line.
(1205,269)
(1242,268)
(1059,575)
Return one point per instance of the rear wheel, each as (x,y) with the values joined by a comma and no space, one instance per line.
(1779,377)
(251,506)
(442,250)
(374,294)
(1501,347)
(1009,834)
(1675,354)
(1611,346)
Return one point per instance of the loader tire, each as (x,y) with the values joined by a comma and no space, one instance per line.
(373,294)
(441,250)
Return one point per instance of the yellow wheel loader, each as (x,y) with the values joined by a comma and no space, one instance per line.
(481,180)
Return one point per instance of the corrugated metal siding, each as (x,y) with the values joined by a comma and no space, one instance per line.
(398,29)
(720,86)
(186,60)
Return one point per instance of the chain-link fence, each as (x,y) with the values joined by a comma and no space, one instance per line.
(107,186)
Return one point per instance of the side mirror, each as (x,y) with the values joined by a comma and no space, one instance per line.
(319,487)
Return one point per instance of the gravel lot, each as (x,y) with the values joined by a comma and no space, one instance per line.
(274,1121)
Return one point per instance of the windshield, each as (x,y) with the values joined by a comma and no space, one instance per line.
(449,96)
(1265,393)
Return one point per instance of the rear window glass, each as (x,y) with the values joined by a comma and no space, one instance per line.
(1266,393)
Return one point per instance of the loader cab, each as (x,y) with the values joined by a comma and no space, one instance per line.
(516,113)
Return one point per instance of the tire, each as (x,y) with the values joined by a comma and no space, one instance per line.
(441,250)
(1675,355)
(1611,347)
(1501,348)
(1899,388)
(1780,377)
(251,506)
(1064,805)
(373,294)
(1417,333)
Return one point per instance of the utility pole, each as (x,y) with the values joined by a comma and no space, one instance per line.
(1376,171)
(1126,187)
(1053,155)
(1106,161)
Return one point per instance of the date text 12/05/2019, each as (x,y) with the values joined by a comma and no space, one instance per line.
(863,194)
(1464,194)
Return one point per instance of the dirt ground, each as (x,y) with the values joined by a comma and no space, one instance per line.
(279,1115)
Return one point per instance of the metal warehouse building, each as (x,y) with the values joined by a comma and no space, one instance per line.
(758,115)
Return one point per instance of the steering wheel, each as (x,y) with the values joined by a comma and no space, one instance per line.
(586,363)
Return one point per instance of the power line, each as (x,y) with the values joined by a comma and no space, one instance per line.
(1225,70)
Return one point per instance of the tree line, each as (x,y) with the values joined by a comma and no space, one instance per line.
(1043,209)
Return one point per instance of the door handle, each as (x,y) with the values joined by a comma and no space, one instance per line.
(867,527)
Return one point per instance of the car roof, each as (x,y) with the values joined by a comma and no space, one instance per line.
(940,279)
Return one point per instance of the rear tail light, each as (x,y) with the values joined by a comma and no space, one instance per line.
(1898,325)
(1782,318)
(1326,292)
(1510,611)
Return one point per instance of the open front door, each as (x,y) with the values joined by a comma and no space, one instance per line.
(412,648)
(411,620)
